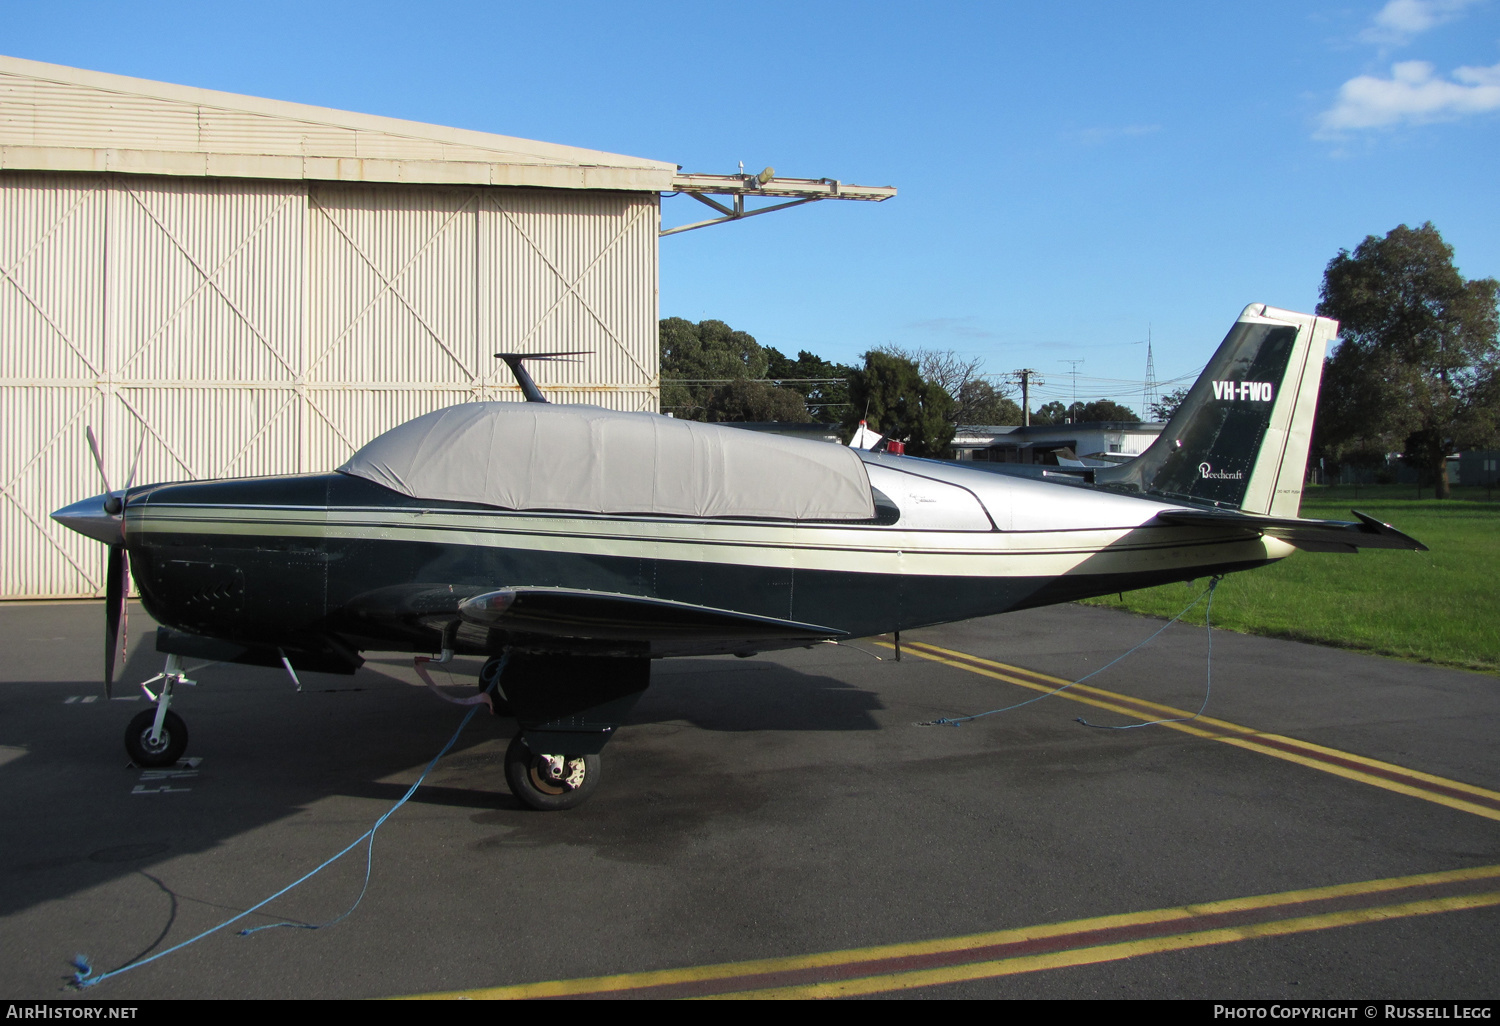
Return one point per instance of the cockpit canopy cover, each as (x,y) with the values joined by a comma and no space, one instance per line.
(544,456)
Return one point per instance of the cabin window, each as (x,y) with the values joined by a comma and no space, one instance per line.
(886,511)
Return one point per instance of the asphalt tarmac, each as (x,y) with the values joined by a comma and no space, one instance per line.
(773,819)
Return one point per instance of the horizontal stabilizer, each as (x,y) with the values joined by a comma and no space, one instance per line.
(1312,535)
(606,616)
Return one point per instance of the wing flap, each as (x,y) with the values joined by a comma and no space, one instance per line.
(1311,535)
(606,616)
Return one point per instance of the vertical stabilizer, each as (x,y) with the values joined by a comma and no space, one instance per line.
(1240,438)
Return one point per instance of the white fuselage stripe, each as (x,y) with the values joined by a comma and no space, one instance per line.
(848,549)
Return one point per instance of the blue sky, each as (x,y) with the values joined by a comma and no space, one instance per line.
(1071,175)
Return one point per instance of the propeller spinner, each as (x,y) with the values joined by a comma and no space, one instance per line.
(102,518)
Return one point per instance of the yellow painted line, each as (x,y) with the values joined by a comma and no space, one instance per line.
(1306,753)
(1168,710)
(1051,683)
(732,970)
(1116,952)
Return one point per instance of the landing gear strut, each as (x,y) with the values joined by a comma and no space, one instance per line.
(567,707)
(158,737)
(499,704)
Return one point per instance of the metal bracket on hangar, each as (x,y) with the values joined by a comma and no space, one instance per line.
(792,191)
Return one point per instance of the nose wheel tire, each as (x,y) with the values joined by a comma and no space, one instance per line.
(550,783)
(167,749)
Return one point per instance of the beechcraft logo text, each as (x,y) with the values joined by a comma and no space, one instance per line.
(1245,391)
(1209,473)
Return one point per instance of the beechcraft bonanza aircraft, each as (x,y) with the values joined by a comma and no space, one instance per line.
(582,543)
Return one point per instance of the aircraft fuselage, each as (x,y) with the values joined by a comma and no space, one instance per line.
(294,561)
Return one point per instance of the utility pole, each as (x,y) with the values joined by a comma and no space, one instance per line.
(1023,378)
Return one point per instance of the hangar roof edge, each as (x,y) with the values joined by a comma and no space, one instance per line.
(57,118)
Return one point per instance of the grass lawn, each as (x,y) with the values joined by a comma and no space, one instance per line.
(1441,606)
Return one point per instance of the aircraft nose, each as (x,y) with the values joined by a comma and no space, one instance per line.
(92,517)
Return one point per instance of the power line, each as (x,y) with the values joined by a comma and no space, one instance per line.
(773,381)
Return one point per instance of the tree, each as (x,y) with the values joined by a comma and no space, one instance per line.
(1416,366)
(945,368)
(1167,405)
(1100,410)
(1049,413)
(976,401)
(890,393)
(979,402)
(826,400)
(699,360)
(744,399)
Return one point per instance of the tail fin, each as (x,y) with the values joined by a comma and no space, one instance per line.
(1240,438)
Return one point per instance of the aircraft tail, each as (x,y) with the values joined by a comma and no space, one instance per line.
(1240,438)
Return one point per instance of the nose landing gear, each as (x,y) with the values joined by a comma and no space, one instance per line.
(151,747)
(158,737)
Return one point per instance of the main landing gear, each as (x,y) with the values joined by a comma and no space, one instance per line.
(566,707)
(550,783)
(158,737)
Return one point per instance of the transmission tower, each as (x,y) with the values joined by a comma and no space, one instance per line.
(1150,399)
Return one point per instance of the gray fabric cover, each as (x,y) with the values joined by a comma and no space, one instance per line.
(589,459)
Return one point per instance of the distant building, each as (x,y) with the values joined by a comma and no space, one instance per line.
(1038,443)
(1479,467)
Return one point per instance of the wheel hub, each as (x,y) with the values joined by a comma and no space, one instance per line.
(159,745)
(556,774)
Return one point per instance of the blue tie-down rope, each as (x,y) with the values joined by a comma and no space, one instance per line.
(1208,593)
(86,977)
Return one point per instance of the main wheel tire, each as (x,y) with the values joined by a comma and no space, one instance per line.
(525,772)
(167,749)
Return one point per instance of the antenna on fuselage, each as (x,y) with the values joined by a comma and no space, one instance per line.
(528,387)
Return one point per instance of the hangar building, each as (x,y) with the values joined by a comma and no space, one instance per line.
(248,286)
(234,286)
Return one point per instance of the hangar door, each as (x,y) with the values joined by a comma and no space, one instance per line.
(226,327)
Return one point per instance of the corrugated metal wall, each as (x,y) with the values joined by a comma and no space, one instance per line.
(230,327)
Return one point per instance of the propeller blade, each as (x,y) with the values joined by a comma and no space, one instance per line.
(98,460)
(135,463)
(114,608)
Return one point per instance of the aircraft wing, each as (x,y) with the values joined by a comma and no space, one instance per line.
(1311,535)
(571,620)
